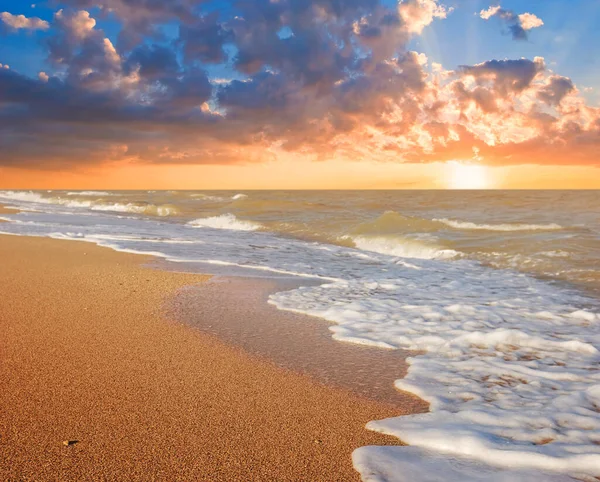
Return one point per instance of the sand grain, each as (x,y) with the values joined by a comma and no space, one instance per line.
(87,356)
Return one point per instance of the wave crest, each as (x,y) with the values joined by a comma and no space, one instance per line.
(498,227)
(96,205)
(402,247)
(225,221)
(89,193)
(163,210)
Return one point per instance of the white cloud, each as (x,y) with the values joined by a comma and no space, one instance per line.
(79,24)
(489,13)
(418,14)
(530,20)
(22,22)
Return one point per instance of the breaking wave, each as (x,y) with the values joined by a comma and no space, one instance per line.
(392,222)
(89,193)
(211,198)
(499,227)
(225,221)
(96,205)
(163,210)
(402,247)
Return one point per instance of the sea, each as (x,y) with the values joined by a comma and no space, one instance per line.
(495,293)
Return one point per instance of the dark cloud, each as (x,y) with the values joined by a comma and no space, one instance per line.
(556,90)
(507,76)
(140,19)
(204,40)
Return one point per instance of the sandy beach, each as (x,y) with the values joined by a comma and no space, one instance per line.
(88,355)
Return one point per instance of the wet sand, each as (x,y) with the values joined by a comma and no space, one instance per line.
(88,354)
(236,310)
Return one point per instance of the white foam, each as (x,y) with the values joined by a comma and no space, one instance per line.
(225,221)
(380,464)
(207,197)
(137,239)
(402,247)
(511,369)
(499,227)
(26,196)
(150,209)
(139,208)
(238,197)
(90,193)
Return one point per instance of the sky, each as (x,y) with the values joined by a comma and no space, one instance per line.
(299,94)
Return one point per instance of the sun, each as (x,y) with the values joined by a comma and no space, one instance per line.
(465,175)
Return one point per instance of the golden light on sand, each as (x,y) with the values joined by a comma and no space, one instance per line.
(465,175)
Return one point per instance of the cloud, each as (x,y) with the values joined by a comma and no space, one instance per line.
(490,12)
(555,90)
(79,25)
(18,22)
(507,76)
(418,14)
(518,25)
(341,83)
(529,21)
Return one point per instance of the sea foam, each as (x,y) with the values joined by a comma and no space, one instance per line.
(89,193)
(402,247)
(225,221)
(93,205)
(510,368)
(499,227)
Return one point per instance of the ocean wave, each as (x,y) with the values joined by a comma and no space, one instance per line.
(211,198)
(510,379)
(25,196)
(206,197)
(96,205)
(142,239)
(90,193)
(498,227)
(254,205)
(147,209)
(225,221)
(392,222)
(402,247)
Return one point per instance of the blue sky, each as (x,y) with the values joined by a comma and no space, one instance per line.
(567,40)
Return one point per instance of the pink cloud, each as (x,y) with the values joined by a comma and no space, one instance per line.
(18,22)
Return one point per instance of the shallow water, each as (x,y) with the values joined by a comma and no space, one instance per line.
(235,310)
(554,234)
(497,290)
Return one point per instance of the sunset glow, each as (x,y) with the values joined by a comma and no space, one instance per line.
(468,176)
(298,94)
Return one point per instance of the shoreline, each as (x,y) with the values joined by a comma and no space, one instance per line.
(90,356)
(236,310)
